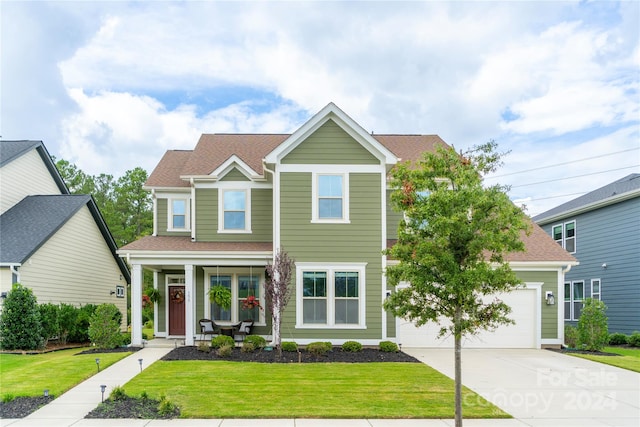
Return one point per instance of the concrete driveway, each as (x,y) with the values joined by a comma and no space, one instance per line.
(545,388)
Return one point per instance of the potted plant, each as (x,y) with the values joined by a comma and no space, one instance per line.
(153,294)
(220,295)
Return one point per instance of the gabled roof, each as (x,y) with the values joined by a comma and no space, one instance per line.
(11,150)
(35,219)
(332,112)
(617,191)
(215,150)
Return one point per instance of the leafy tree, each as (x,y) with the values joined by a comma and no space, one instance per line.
(104,326)
(278,291)
(593,328)
(20,326)
(133,206)
(452,244)
(77,181)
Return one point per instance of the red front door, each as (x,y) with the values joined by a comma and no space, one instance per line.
(176,310)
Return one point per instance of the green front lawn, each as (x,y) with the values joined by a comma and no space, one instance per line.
(311,390)
(629,358)
(58,371)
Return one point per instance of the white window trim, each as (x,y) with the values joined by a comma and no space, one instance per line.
(571,315)
(599,293)
(315,217)
(187,214)
(563,241)
(331,269)
(247,211)
(234,273)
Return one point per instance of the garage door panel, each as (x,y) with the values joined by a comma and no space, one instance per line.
(520,335)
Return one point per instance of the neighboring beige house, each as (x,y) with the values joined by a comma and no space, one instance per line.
(52,242)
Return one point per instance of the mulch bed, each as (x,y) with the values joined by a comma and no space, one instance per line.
(132,407)
(336,356)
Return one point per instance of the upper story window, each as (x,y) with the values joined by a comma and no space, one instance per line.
(234,211)
(330,198)
(178,215)
(565,235)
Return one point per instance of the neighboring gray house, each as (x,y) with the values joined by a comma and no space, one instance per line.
(602,230)
(52,242)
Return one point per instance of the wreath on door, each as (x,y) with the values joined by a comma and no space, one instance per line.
(177,296)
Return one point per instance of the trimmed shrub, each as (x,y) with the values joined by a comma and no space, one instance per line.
(257,341)
(104,329)
(289,346)
(319,348)
(222,340)
(617,339)
(118,393)
(634,339)
(77,322)
(167,408)
(49,320)
(20,327)
(352,346)
(570,336)
(225,350)
(388,347)
(203,346)
(248,347)
(593,328)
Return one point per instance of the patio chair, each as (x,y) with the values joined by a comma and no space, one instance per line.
(244,329)
(207,327)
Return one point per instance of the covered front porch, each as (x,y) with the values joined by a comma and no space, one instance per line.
(184,278)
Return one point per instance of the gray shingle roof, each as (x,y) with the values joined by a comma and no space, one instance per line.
(616,188)
(29,224)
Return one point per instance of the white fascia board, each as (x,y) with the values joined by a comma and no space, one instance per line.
(235,162)
(591,206)
(167,189)
(331,111)
(541,265)
(196,257)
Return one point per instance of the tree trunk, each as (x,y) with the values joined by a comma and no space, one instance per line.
(458,367)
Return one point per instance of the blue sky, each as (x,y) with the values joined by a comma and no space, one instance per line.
(112,85)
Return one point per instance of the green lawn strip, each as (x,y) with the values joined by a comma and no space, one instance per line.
(58,371)
(310,390)
(629,358)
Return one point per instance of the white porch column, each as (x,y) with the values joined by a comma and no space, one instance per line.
(136,305)
(190,296)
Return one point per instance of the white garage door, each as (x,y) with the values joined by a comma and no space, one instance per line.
(523,334)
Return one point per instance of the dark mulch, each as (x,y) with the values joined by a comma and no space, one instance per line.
(110,350)
(131,407)
(337,355)
(20,407)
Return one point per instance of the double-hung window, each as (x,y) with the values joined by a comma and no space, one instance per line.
(234,211)
(565,235)
(330,197)
(573,299)
(247,302)
(595,289)
(178,215)
(330,295)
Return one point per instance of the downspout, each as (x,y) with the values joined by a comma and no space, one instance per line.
(192,213)
(155,212)
(274,209)
(14,270)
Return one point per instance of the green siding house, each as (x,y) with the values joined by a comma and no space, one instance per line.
(222,210)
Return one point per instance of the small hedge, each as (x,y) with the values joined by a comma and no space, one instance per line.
(319,348)
(571,336)
(634,339)
(617,339)
(352,346)
(388,347)
(289,346)
(257,341)
(222,340)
